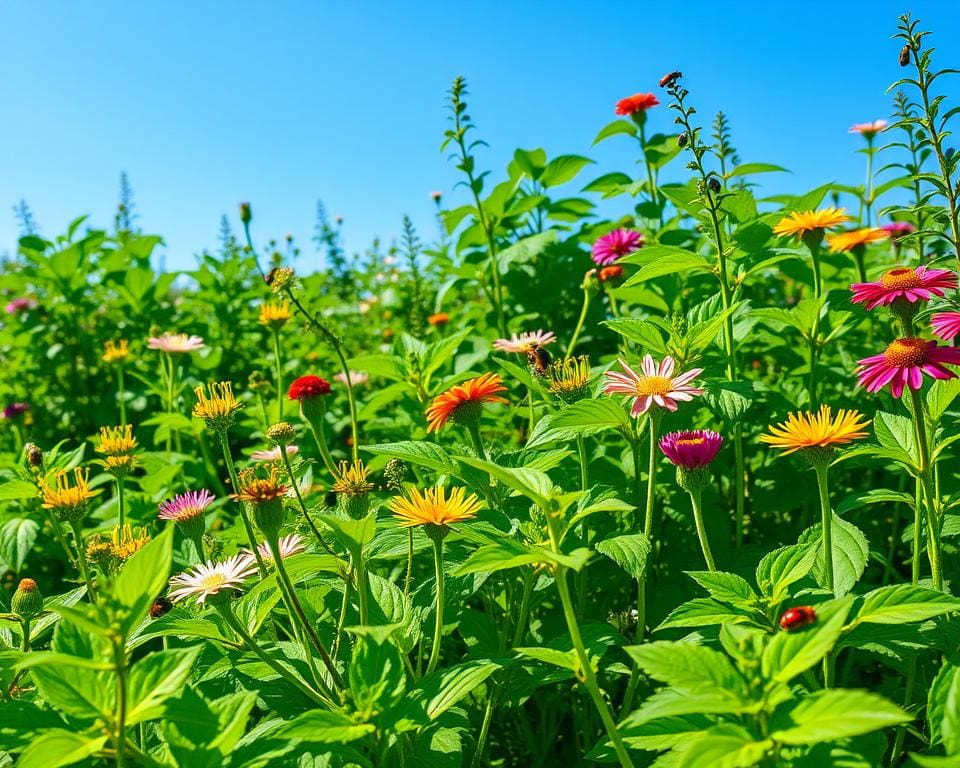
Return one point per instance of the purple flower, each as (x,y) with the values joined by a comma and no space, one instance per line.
(615,245)
(15,409)
(691,449)
(186,506)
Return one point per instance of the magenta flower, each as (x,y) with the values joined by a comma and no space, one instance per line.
(19,305)
(897,229)
(186,506)
(903,363)
(524,342)
(15,409)
(691,449)
(175,342)
(615,245)
(911,284)
(655,386)
(946,325)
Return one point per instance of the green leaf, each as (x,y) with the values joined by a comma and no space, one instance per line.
(554,656)
(648,335)
(592,416)
(615,128)
(782,567)
(498,557)
(943,708)
(678,260)
(902,603)
(427,455)
(723,746)
(18,489)
(703,611)
(376,677)
(941,396)
(526,249)
(16,540)
(629,551)
(895,433)
(444,688)
(321,726)
(83,693)
(659,733)
(157,677)
(746,169)
(57,747)
(725,587)
(532,483)
(353,534)
(144,576)
(792,653)
(686,665)
(562,169)
(835,714)
(850,554)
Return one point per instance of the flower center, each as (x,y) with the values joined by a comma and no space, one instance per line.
(214,581)
(904,353)
(691,441)
(901,278)
(654,385)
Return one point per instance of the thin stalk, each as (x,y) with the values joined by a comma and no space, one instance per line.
(278,362)
(362,591)
(82,560)
(917,529)
(120,397)
(300,502)
(826,512)
(583,316)
(529,581)
(235,483)
(408,578)
(868,184)
(317,431)
(929,494)
(438,625)
(121,518)
(345,604)
(533,420)
(695,499)
(654,419)
(646,163)
(474,430)
(121,670)
(484,728)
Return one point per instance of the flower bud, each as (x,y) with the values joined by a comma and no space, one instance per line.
(27,601)
(245,213)
(282,434)
(394,474)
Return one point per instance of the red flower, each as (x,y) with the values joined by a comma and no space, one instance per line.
(639,102)
(307,387)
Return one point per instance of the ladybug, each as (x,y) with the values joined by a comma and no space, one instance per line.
(539,359)
(797,618)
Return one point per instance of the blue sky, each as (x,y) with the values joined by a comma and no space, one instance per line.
(207,104)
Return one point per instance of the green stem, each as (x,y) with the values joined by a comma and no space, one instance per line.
(929,494)
(362,590)
(474,430)
(533,420)
(120,737)
(407,579)
(653,417)
(316,429)
(121,518)
(583,316)
(279,367)
(826,513)
(235,483)
(868,184)
(917,533)
(695,499)
(120,397)
(438,625)
(82,560)
(484,728)
(529,581)
(646,163)
(300,502)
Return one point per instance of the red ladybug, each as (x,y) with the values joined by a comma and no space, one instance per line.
(797,618)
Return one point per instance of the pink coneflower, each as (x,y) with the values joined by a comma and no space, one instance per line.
(615,245)
(175,342)
(208,579)
(869,130)
(656,386)
(15,409)
(356,378)
(274,453)
(19,305)
(911,284)
(897,229)
(524,342)
(186,506)
(946,325)
(290,545)
(691,449)
(903,363)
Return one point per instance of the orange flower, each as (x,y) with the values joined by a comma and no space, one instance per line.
(439,319)
(464,400)
(847,241)
(802,222)
(639,102)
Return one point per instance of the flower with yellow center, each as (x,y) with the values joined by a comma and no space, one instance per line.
(116,352)
(274,314)
(117,441)
(844,242)
(219,409)
(802,431)
(265,495)
(125,543)
(68,502)
(803,223)
(352,479)
(570,379)
(433,507)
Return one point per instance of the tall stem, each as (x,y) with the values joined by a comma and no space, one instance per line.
(121,670)
(654,418)
(474,429)
(235,484)
(437,539)
(695,497)
(279,368)
(826,513)
(300,502)
(583,316)
(121,517)
(929,494)
(121,400)
(82,560)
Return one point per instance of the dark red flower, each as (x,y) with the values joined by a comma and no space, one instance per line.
(639,102)
(307,387)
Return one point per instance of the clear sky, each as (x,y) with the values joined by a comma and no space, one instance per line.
(281,103)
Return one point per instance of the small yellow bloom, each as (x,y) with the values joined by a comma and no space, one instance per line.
(432,508)
(259,490)
(802,222)
(125,543)
(274,314)
(570,379)
(816,430)
(117,441)
(352,479)
(843,242)
(68,502)
(116,353)
(219,408)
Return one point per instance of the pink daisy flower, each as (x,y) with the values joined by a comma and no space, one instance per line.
(869,130)
(615,245)
(912,284)
(175,342)
(524,342)
(903,363)
(655,386)
(946,325)
(356,378)
(290,545)
(274,453)
(691,449)
(186,506)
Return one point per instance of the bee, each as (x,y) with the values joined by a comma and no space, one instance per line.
(538,359)
(268,278)
(797,618)
(160,606)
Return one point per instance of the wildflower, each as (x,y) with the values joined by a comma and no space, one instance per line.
(435,196)
(655,386)
(691,449)
(903,364)
(289,546)
(219,409)
(869,130)
(274,314)
(115,352)
(68,502)
(439,320)
(280,279)
(265,495)
(18,305)
(609,274)
(281,433)
(126,543)
(811,223)
(670,78)
(187,511)
(433,507)
(463,402)
(100,554)
(570,379)
(274,453)
(352,479)
(27,601)
(117,445)
(804,431)
(946,325)
(639,103)
(246,215)
(525,342)
(897,229)
(356,378)
(15,409)
(615,245)
(308,387)
(175,343)
(908,284)
(210,579)
(844,242)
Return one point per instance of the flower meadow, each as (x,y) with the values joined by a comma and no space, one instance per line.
(679,487)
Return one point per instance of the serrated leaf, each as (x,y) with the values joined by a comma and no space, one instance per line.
(791,653)
(836,714)
(422,454)
(685,665)
(850,554)
(902,603)
(629,551)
